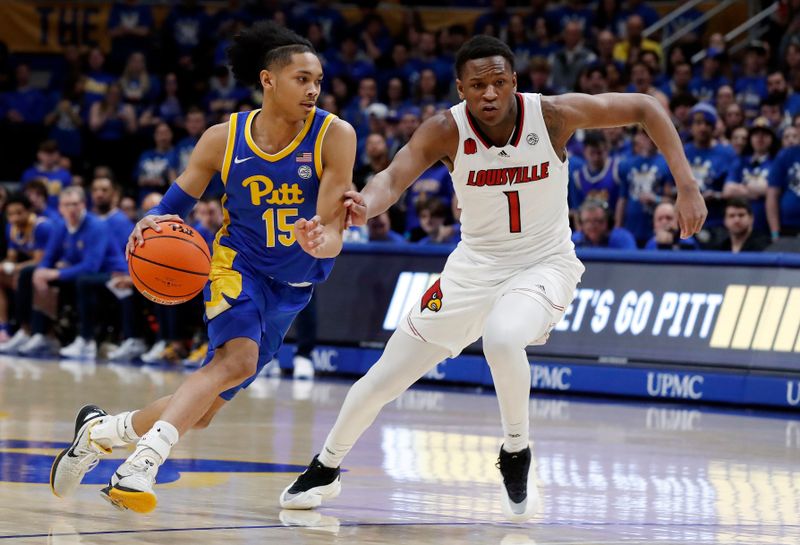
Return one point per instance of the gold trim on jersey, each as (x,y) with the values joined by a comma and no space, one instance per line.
(272,157)
(229,145)
(223,277)
(318,144)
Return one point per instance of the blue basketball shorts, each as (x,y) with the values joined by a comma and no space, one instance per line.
(239,306)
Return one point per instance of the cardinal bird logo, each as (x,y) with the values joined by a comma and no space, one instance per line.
(432,300)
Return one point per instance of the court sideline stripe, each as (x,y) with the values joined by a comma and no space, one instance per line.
(380,524)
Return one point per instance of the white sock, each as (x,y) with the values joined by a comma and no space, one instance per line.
(114,431)
(157,443)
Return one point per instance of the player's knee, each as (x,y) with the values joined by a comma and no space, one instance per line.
(500,344)
(237,367)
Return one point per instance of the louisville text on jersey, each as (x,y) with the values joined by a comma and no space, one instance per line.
(508,176)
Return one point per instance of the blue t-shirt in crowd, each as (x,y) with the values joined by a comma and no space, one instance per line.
(183,150)
(30,103)
(705,90)
(639,175)
(56,180)
(154,164)
(558,18)
(710,168)
(752,171)
(750,91)
(792,104)
(602,185)
(454,238)
(95,88)
(30,239)
(187,27)
(434,182)
(681,243)
(618,239)
(86,250)
(785,175)
(119,227)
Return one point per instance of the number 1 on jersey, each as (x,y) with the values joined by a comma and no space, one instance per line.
(514,224)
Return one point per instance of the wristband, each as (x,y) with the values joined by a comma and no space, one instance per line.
(175,201)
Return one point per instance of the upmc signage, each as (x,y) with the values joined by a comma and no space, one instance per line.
(647,312)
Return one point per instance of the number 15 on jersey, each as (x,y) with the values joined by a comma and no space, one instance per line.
(279,223)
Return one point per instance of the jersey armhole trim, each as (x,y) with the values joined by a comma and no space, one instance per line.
(546,138)
(318,143)
(229,145)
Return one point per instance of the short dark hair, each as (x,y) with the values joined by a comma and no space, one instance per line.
(435,206)
(739,202)
(264,46)
(594,139)
(773,99)
(682,99)
(481,47)
(37,185)
(19,198)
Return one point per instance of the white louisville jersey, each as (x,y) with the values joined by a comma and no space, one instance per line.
(513,198)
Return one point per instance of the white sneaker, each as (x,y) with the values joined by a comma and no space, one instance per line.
(303,368)
(154,354)
(80,348)
(15,342)
(131,486)
(129,350)
(274,368)
(80,457)
(38,344)
(315,484)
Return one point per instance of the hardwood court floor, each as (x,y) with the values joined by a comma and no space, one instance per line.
(610,473)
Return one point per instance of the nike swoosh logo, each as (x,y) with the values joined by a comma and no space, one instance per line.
(71,451)
(239,161)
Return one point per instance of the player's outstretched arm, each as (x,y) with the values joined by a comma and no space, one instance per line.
(321,236)
(565,114)
(434,140)
(205,160)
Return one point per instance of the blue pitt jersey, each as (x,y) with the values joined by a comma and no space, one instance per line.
(264,195)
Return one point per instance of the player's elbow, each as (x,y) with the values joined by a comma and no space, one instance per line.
(646,106)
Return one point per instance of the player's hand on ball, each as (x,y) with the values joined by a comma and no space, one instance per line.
(310,234)
(147,222)
(356,209)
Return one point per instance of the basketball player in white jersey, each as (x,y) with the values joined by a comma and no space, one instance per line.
(515,270)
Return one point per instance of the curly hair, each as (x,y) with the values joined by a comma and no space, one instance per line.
(263,46)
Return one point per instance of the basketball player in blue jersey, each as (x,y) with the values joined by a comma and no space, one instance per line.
(285,168)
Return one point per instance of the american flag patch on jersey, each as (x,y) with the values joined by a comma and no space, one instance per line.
(304,157)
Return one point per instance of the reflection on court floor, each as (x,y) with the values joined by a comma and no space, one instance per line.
(609,473)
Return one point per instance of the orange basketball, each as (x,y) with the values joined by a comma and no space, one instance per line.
(172,266)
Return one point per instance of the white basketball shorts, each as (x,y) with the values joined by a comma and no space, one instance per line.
(453,311)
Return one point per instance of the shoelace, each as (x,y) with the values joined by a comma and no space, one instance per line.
(86,454)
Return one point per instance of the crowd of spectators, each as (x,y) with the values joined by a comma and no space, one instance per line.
(94,137)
